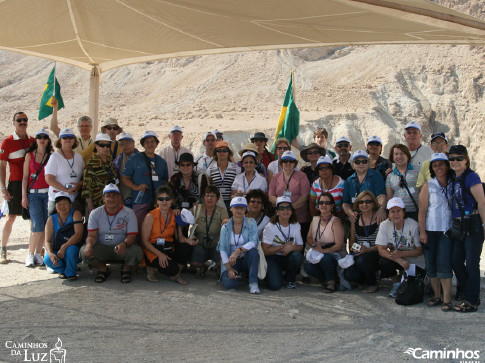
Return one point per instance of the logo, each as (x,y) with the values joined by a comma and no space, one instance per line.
(58,354)
(28,351)
(462,355)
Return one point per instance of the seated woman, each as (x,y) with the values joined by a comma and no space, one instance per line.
(362,242)
(282,245)
(238,247)
(208,221)
(63,257)
(163,251)
(257,205)
(398,244)
(326,239)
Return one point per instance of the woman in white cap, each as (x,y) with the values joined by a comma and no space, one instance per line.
(326,182)
(294,184)
(401,182)
(326,241)
(249,179)
(64,171)
(63,256)
(99,171)
(398,244)
(377,162)
(281,145)
(282,245)
(238,247)
(434,221)
(35,193)
(260,168)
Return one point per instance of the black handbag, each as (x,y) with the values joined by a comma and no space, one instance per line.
(411,290)
(63,235)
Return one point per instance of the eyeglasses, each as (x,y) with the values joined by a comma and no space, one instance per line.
(282,148)
(222,150)
(104,145)
(287,161)
(164,199)
(367,201)
(322,168)
(255,201)
(210,196)
(67,137)
(185,165)
(374,143)
(112,127)
(438,142)
(342,145)
(362,161)
(282,207)
(210,140)
(326,202)
(42,137)
(19,120)
(313,152)
(456,158)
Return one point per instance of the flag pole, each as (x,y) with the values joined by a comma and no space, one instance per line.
(54,90)
(293,84)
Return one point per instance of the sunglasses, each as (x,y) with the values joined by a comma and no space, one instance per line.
(67,137)
(287,161)
(111,127)
(326,202)
(104,145)
(367,201)
(281,207)
(322,168)
(358,162)
(342,145)
(210,140)
(164,199)
(222,150)
(19,120)
(374,143)
(42,137)
(254,201)
(456,158)
(313,152)
(282,148)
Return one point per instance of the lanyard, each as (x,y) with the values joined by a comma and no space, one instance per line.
(207,227)
(322,185)
(358,184)
(167,221)
(287,238)
(113,153)
(412,157)
(249,184)
(223,176)
(114,217)
(205,162)
(61,222)
(397,241)
(239,236)
(318,230)
(41,162)
(22,143)
(71,166)
(81,142)
(284,180)
(186,191)
(367,228)
(260,219)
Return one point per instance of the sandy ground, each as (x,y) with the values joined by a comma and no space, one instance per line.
(143,321)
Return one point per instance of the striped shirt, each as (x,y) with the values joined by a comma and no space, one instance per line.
(223,182)
(367,234)
(337,192)
(393,181)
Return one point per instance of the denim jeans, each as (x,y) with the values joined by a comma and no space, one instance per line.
(469,251)
(363,271)
(325,270)
(248,263)
(277,263)
(66,265)
(437,255)
(38,211)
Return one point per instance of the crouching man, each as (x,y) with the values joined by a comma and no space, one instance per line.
(112,229)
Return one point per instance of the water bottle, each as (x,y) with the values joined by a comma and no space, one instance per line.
(139,197)
(467,223)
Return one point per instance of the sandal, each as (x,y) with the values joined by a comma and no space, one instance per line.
(101,276)
(466,307)
(125,277)
(179,280)
(447,307)
(152,274)
(371,289)
(435,302)
(72,278)
(62,276)
(329,288)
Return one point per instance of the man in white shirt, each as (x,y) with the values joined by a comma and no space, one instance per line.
(172,152)
(419,152)
(205,160)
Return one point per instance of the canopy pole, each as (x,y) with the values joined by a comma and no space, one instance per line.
(94,98)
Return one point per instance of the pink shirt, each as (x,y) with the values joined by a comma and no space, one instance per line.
(40,182)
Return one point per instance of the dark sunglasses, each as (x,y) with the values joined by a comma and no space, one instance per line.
(282,148)
(287,161)
(313,152)
(358,162)
(374,143)
(222,150)
(67,137)
(367,201)
(324,168)
(254,201)
(326,202)
(42,137)
(342,145)
(456,158)
(164,199)
(112,127)
(281,207)
(185,165)
(19,120)
(104,145)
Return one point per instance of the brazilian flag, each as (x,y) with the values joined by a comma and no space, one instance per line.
(46,108)
(289,121)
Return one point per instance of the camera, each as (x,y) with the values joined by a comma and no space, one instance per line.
(391,247)
(207,241)
(356,247)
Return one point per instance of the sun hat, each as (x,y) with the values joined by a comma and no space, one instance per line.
(251,148)
(313,256)
(185,158)
(259,135)
(176,128)
(359,154)
(42,132)
(288,155)
(438,156)
(248,153)
(313,145)
(67,132)
(374,138)
(209,134)
(148,133)
(62,195)
(413,124)
(125,136)
(102,137)
(111,121)
(239,202)
(185,218)
(324,160)
(458,149)
(111,188)
(283,199)
(343,139)
(395,202)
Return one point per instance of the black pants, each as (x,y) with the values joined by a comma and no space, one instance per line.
(389,268)
(179,256)
(363,271)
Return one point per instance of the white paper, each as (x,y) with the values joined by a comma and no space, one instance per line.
(411,271)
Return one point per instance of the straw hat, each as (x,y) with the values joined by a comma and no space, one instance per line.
(253,148)
(111,121)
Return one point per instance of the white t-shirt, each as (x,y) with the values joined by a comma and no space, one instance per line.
(264,221)
(406,239)
(274,168)
(277,235)
(65,171)
(241,183)
(237,241)
(203,162)
(419,156)
(112,229)
(171,156)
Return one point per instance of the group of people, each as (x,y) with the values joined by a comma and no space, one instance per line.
(345,218)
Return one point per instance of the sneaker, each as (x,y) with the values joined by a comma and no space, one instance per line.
(393,292)
(3,256)
(291,285)
(29,261)
(253,288)
(38,259)
(49,270)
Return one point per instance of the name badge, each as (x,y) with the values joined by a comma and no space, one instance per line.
(222,190)
(175,168)
(353,199)
(287,194)
(32,176)
(160,241)
(412,190)
(155,177)
(73,174)
(185,204)
(108,237)
(117,181)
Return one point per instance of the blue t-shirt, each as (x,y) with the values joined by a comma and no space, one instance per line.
(465,198)
(136,169)
(373,182)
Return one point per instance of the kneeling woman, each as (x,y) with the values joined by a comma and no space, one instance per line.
(63,258)
(282,245)
(326,239)
(237,246)
(162,250)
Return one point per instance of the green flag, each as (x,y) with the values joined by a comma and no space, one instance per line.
(46,108)
(289,121)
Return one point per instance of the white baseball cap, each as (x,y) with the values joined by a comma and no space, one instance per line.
(210,133)
(43,131)
(248,153)
(413,124)
(343,139)
(283,199)
(67,133)
(374,138)
(176,128)
(216,131)
(359,154)
(438,156)
(102,137)
(111,188)
(149,133)
(288,155)
(324,160)
(395,202)
(239,202)
(125,136)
